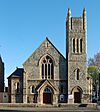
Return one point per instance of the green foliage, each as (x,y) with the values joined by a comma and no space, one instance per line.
(93,72)
(94,66)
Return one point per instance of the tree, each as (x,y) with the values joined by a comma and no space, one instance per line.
(94,66)
(95,61)
(91,62)
(94,72)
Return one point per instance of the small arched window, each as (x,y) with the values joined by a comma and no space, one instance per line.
(77,74)
(47,68)
(33,89)
(17,87)
(81,45)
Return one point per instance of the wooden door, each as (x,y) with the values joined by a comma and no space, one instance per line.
(77,97)
(47,98)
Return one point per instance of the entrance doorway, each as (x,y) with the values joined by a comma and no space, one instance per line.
(77,97)
(47,96)
(77,93)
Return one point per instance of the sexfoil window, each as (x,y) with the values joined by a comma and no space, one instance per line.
(47,70)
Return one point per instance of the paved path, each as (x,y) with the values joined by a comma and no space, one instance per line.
(44,110)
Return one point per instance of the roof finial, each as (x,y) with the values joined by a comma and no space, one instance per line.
(46,37)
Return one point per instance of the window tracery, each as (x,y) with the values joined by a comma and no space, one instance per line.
(47,68)
(47,90)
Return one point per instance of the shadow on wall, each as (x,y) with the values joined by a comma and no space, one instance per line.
(63,88)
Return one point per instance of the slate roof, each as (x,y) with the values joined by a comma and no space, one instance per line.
(17,73)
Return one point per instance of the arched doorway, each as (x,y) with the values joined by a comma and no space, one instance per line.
(77,93)
(47,96)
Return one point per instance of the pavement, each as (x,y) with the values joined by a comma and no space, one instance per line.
(42,109)
(49,108)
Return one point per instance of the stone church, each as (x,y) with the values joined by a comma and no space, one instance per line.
(47,77)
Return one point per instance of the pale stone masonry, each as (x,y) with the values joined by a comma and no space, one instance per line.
(47,77)
(77,58)
(15,86)
(32,74)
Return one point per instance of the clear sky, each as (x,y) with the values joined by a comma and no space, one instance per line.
(24,25)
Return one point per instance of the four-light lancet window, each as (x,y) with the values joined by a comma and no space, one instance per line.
(47,68)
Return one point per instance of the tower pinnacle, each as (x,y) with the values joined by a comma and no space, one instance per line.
(69,12)
(0,59)
(84,12)
(84,18)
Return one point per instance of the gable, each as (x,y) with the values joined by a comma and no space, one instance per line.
(45,48)
(17,73)
(45,83)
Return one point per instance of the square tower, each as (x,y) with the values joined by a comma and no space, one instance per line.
(77,58)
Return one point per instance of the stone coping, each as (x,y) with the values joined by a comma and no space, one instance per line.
(89,105)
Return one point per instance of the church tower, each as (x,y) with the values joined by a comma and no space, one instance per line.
(77,58)
(1,75)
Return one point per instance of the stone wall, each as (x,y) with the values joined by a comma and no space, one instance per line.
(32,67)
(77,55)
